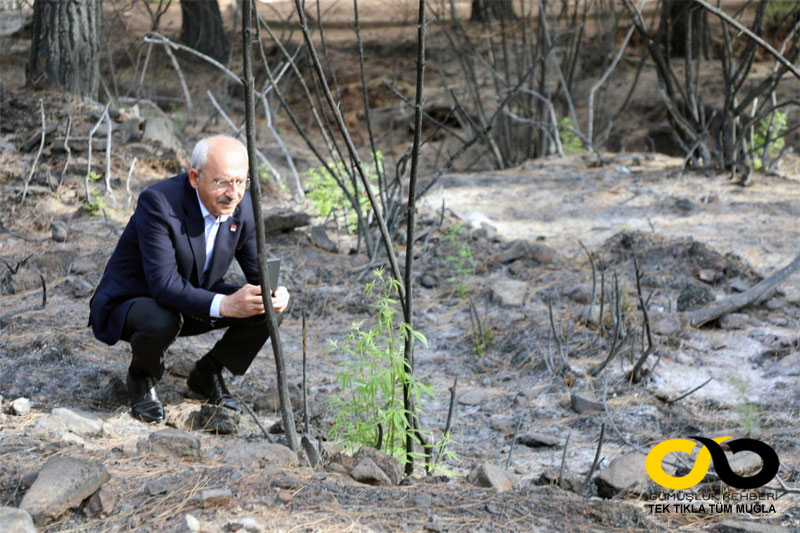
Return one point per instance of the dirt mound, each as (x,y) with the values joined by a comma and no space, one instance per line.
(674,257)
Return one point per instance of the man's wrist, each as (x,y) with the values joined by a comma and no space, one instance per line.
(216,306)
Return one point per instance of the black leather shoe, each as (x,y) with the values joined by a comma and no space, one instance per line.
(145,404)
(212,388)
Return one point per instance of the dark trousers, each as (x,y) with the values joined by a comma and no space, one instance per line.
(151,329)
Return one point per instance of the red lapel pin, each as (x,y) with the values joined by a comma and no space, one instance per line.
(233,227)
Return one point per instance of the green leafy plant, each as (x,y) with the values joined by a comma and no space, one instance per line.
(95,176)
(760,140)
(747,410)
(461,261)
(95,204)
(570,142)
(369,409)
(481,340)
(330,200)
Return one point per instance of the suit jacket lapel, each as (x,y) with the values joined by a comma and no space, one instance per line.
(223,248)
(195,229)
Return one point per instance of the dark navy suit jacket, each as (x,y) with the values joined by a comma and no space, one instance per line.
(161,255)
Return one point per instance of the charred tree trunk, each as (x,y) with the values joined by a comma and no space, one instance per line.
(64,46)
(681,18)
(485,10)
(202,29)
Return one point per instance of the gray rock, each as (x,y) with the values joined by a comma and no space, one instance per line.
(51,429)
(368,472)
(59,231)
(709,275)
(585,403)
(745,463)
(79,287)
(130,130)
(172,442)
(320,239)
(250,453)
(428,281)
(63,483)
(568,481)
(244,524)
(488,475)
(739,285)
(189,524)
(733,321)
(665,324)
(478,395)
(271,402)
(216,498)
(216,419)
(509,292)
(78,422)
(21,407)
(16,520)
(162,130)
(102,502)
(624,471)
(83,265)
(502,423)
(694,296)
(787,366)
(390,466)
(278,220)
(773,304)
(748,526)
(539,440)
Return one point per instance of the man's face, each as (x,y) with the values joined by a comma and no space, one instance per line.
(215,183)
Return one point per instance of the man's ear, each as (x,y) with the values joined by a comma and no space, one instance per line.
(194,178)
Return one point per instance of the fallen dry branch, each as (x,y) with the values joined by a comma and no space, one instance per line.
(728,305)
(4,318)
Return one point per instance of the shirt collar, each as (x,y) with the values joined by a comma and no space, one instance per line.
(206,213)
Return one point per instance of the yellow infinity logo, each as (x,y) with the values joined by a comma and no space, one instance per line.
(698,472)
(712,451)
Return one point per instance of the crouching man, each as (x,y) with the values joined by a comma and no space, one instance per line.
(165,278)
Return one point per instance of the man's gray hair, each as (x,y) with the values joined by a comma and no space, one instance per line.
(201,149)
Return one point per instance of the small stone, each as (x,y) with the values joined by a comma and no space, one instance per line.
(624,471)
(287,481)
(739,285)
(271,402)
(162,130)
(21,407)
(59,231)
(665,324)
(390,466)
(189,524)
(368,472)
(245,454)
(16,520)
(568,481)
(280,220)
(216,498)
(502,423)
(63,483)
(709,275)
(478,395)
(539,440)
(733,321)
(585,403)
(78,422)
(787,366)
(428,281)
(244,524)
(216,419)
(488,475)
(83,265)
(172,442)
(694,296)
(284,496)
(773,304)
(102,502)
(748,526)
(509,292)
(319,238)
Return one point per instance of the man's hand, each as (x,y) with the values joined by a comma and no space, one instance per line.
(243,303)
(280,299)
(247,302)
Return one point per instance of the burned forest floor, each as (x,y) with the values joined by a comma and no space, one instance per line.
(509,270)
(507,243)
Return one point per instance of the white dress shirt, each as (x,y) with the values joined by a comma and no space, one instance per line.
(211,227)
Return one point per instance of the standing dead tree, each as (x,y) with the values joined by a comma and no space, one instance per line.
(726,140)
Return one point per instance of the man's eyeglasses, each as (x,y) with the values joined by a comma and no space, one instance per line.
(224,184)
